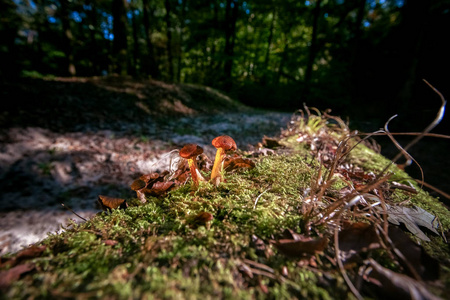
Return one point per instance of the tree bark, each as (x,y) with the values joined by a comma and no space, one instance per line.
(231,15)
(169,39)
(135,58)
(313,48)
(92,19)
(120,44)
(151,65)
(68,37)
(180,39)
(269,44)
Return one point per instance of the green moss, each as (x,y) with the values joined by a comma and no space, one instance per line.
(153,251)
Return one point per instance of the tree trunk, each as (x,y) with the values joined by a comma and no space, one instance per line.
(180,41)
(68,37)
(169,39)
(120,45)
(92,19)
(150,63)
(231,15)
(269,44)
(134,68)
(313,48)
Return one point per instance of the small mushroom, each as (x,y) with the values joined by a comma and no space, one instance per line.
(190,152)
(138,185)
(223,144)
(109,203)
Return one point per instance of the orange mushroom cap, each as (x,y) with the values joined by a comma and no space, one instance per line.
(190,151)
(225,142)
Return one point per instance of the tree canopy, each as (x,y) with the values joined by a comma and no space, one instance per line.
(268,53)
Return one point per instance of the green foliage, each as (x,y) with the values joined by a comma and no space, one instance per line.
(267,42)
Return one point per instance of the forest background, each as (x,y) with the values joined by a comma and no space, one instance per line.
(363,58)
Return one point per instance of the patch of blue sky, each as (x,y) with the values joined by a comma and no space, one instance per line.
(76,16)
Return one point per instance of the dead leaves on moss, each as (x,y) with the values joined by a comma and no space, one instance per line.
(299,245)
(10,276)
(19,265)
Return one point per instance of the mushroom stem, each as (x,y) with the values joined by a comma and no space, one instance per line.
(216,173)
(195,173)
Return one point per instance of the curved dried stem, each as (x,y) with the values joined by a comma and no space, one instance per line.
(403,152)
(350,284)
(433,124)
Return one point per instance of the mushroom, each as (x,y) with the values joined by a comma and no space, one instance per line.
(190,152)
(223,144)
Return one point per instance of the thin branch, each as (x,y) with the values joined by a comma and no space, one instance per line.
(441,192)
(69,209)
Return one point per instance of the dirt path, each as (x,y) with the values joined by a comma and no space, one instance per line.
(40,168)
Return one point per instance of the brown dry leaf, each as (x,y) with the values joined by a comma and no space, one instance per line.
(149,177)
(301,245)
(356,238)
(425,266)
(138,184)
(396,286)
(201,219)
(271,143)
(232,163)
(109,203)
(180,176)
(27,253)
(9,276)
(159,188)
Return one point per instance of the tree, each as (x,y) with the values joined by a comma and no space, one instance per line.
(231,16)
(120,43)
(10,22)
(64,14)
(150,64)
(313,47)
(169,29)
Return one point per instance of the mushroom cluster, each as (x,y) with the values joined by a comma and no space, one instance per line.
(155,184)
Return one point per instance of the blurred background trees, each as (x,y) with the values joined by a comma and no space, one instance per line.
(268,53)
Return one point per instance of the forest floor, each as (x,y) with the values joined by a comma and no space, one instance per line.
(70,140)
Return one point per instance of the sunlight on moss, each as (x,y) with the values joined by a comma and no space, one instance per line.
(154,250)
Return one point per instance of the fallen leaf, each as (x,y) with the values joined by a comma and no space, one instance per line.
(201,219)
(361,237)
(396,286)
(356,238)
(233,163)
(271,143)
(138,184)
(425,266)
(149,177)
(27,253)
(301,245)
(109,203)
(158,188)
(412,218)
(9,276)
